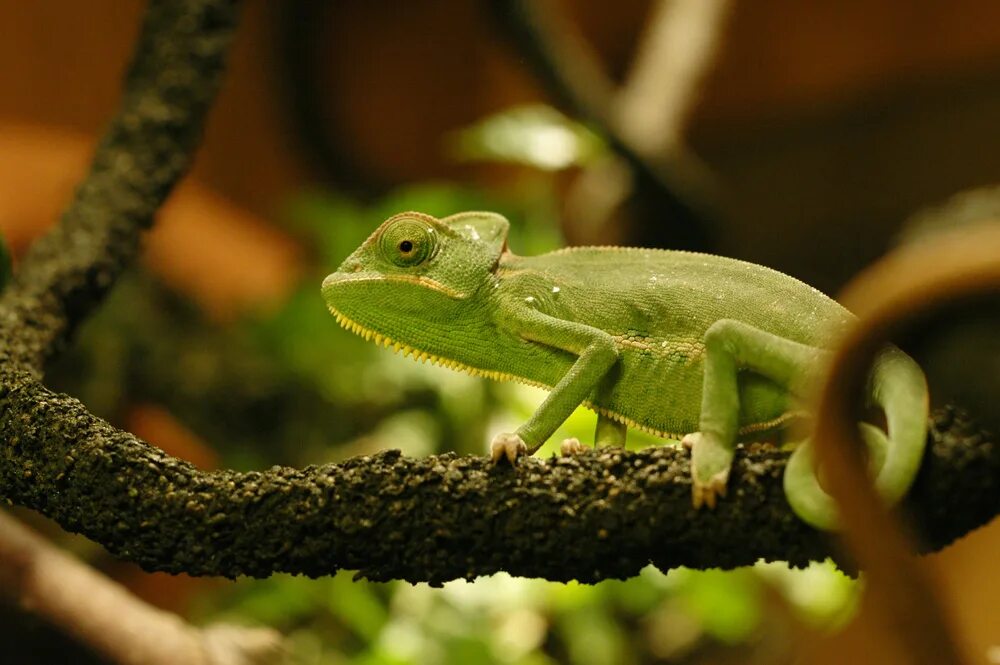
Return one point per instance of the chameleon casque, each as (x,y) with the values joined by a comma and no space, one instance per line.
(682,345)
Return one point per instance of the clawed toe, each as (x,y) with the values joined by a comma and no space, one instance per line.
(689,439)
(707,494)
(710,464)
(571,446)
(509,446)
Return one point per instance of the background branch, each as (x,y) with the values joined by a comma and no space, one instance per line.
(670,187)
(680,43)
(103,615)
(148,146)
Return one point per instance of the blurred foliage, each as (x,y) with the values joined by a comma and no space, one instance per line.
(535,135)
(291,387)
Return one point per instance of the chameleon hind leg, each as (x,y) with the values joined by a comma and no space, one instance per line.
(731,346)
(608,432)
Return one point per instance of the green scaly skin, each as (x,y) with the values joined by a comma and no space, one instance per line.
(677,344)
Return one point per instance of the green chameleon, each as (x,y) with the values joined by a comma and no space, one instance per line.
(687,346)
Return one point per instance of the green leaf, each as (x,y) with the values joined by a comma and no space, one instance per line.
(535,135)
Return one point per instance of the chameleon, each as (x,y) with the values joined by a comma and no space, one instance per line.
(702,348)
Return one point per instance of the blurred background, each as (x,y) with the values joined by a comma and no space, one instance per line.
(802,136)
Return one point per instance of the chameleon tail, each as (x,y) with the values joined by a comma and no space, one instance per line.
(897,386)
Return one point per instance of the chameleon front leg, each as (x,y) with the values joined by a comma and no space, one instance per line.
(596,353)
(729,347)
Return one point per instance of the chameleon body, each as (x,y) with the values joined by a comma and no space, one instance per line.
(678,344)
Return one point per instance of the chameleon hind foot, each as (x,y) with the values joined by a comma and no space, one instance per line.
(571,446)
(710,464)
(507,445)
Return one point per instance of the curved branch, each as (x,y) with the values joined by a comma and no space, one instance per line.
(597,516)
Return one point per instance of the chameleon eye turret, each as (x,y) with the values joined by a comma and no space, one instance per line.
(408,242)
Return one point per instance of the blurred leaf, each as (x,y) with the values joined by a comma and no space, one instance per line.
(356,604)
(281,600)
(535,135)
(824,596)
(727,603)
(593,637)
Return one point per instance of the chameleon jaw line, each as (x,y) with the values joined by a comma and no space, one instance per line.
(419,280)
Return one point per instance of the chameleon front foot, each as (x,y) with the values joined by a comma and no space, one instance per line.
(710,464)
(571,446)
(507,445)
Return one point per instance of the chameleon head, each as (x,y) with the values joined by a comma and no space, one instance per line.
(413,280)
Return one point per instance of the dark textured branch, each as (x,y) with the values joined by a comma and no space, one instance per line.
(145,150)
(588,518)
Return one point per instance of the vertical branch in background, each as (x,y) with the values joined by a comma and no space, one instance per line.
(679,45)
(651,109)
(667,187)
(173,78)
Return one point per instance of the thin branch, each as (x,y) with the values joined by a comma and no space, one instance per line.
(600,515)
(106,617)
(681,41)
(570,71)
(650,110)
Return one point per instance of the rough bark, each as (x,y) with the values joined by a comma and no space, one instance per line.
(170,84)
(599,515)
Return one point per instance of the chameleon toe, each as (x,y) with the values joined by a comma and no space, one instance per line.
(507,445)
(571,446)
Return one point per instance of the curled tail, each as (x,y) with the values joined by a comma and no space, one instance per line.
(898,387)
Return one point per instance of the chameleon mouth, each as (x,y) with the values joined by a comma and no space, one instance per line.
(424,357)
(418,280)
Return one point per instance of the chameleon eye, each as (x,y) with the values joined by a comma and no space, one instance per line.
(408,242)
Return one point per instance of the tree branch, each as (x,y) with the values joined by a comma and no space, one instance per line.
(169,87)
(600,515)
(671,183)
